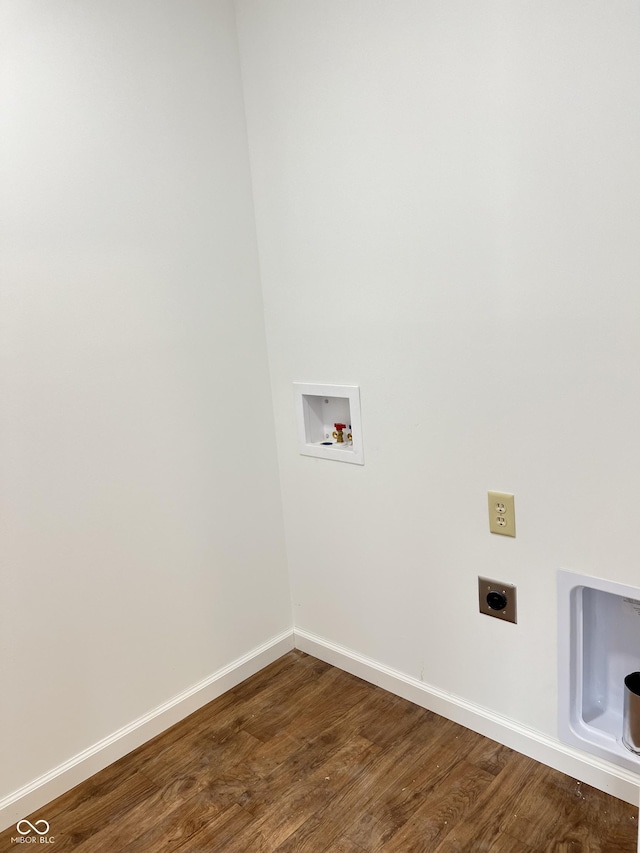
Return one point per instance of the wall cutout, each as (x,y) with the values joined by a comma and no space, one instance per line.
(598,646)
(329,424)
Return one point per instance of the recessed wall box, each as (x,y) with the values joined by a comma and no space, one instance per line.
(329,424)
(598,647)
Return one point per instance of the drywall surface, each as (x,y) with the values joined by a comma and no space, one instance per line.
(448,203)
(141,535)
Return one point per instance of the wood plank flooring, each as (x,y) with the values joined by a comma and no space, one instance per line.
(304,758)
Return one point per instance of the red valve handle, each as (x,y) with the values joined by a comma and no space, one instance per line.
(340,426)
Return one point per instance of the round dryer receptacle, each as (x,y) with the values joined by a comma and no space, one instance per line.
(497,601)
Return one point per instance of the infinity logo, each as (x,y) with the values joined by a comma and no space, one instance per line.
(32,827)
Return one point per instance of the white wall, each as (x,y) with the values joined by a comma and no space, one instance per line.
(141,530)
(447,196)
(448,207)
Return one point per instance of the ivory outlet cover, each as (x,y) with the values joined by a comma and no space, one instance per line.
(502,513)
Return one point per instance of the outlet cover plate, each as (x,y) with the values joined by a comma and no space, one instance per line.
(502,513)
(486,586)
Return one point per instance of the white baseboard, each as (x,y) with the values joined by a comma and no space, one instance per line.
(593,771)
(61,779)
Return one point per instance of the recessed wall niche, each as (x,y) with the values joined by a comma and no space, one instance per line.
(598,646)
(329,423)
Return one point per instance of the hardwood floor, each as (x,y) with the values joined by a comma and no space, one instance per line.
(303,757)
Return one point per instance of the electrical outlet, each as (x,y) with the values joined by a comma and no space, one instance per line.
(498,599)
(502,513)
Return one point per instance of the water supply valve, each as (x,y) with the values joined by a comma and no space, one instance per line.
(338,434)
